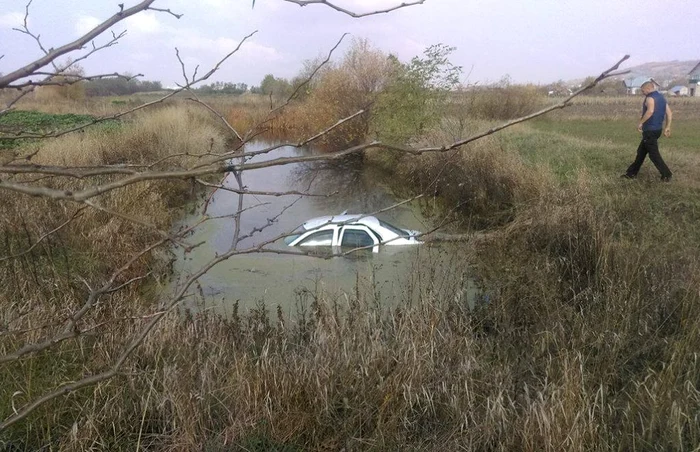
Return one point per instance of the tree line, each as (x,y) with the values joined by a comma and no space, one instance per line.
(119,86)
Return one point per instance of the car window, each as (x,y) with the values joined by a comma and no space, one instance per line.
(394,229)
(355,238)
(320,238)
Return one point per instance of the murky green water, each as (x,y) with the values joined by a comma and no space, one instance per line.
(397,274)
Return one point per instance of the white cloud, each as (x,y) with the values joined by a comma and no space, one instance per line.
(216,10)
(84,24)
(11,20)
(214,3)
(251,49)
(193,41)
(144,23)
(190,40)
(140,24)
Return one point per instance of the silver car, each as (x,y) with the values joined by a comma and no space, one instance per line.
(351,231)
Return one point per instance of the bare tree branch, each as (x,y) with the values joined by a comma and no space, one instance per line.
(177,16)
(52,55)
(270,221)
(50,77)
(273,112)
(351,13)
(70,79)
(140,107)
(11,104)
(25,30)
(276,194)
(196,99)
(218,64)
(115,39)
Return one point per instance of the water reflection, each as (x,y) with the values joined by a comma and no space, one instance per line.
(354,188)
(277,279)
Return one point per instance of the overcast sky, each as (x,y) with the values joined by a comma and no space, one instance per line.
(536,41)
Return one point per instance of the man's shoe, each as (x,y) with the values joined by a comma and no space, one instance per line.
(627,176)
(666,178)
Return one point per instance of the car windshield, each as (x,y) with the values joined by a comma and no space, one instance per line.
(294,234)
(290,238)
(394,229)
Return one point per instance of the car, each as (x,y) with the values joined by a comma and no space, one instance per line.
(351,231)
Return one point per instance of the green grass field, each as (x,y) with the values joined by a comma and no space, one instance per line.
(685,134)
(604,149)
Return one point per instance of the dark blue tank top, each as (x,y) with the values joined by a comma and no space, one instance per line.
(656,122)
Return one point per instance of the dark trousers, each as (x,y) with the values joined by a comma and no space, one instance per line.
(649,145)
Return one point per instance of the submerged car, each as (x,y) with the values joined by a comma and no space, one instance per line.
(351,231)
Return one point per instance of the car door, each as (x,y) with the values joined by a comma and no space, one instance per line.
(358,236)
(319,241)
(325,237)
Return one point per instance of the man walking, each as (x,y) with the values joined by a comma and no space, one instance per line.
(656,117)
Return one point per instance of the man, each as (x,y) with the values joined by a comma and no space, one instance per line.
(656,117)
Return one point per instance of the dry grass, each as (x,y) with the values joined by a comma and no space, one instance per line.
(480,181)
(499,103)
(148,137)
(584,337)
(538,367)
(61,105)
(42,288)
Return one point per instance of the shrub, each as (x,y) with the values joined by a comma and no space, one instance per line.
(479,180)
(415,95)
(503,102)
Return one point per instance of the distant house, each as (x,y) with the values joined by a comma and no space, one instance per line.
(694,81)
(634,84)
(679,90)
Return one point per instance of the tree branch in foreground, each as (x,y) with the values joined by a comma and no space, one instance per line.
(52,55)
(351,13)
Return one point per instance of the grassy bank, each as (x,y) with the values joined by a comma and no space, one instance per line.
(586,266)
(47,278)
(586,338)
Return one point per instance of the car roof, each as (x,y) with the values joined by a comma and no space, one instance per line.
(318,222)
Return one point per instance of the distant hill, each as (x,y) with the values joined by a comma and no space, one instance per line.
(663,72)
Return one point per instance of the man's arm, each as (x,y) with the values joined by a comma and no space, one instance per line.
(650,111)
(669,119)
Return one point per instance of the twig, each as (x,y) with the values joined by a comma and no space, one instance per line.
(219,115)
(276,194)
(351,13)
(52,55)
(71,79)
(177,16)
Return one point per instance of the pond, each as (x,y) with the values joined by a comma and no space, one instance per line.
(396,274)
